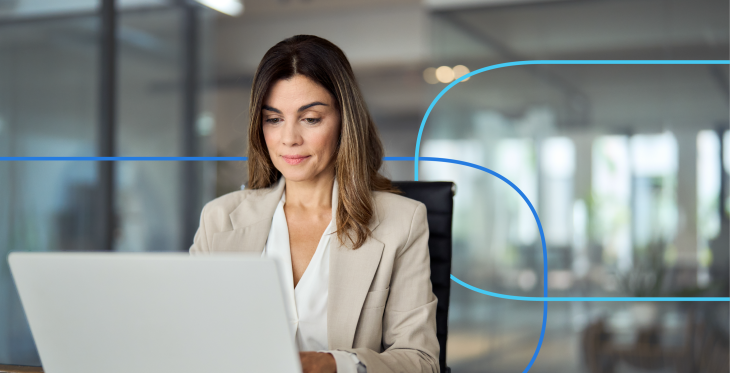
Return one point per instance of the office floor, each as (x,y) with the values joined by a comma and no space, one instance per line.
(559,353)
(505,338)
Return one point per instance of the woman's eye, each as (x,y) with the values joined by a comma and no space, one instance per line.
(312,120)
(272,120)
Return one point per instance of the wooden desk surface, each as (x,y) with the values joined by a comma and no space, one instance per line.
(19,369)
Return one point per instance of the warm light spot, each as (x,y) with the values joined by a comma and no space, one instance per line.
(444,74)
(429,75)
(459,71)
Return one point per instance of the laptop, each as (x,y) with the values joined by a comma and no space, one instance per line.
(162,312)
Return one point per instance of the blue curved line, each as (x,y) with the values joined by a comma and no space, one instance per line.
(542,62)
(549,62)
(544,248)
(542,240)
(590,299)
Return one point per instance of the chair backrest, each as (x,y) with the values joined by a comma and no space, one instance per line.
(438,197)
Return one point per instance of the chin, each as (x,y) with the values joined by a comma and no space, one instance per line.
(297,175)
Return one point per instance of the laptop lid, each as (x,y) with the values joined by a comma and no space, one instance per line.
(162,312)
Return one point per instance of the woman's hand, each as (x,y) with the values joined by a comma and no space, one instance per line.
(318,362)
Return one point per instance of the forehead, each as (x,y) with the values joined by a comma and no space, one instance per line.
(296,91)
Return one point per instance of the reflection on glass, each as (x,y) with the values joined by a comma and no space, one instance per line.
(557,160)
(148,199)
(48,107)
(726,163)
(608,155)
(515,158)
(654,166)
(611,181)
(709,172)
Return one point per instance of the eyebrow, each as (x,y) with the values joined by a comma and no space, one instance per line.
(304,107)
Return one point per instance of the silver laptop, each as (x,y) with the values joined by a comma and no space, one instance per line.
(166,312)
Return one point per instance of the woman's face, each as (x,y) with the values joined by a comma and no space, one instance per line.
(301,126)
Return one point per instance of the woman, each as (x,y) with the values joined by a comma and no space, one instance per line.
(354,254)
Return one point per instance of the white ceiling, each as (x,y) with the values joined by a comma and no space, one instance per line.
(389,43)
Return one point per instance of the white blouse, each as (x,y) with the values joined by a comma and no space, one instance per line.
(306,305)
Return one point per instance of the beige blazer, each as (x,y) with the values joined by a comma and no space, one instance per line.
(380,304)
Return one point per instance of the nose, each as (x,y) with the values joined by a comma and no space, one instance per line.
(291,135)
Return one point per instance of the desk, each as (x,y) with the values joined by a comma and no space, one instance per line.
(19,369)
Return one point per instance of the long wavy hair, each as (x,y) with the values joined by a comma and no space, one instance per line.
(359,152)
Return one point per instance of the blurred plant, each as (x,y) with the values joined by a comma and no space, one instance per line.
(646,276)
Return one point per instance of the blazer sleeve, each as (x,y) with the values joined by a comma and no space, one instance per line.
(200,241)
(409,320)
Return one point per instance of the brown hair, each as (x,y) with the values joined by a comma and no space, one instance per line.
(359,151)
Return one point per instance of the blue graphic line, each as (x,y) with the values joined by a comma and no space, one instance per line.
(415,159)
(153,158)
(542,240)
(545,299)
(541,62)
(591,299)
(123,158)
(550,62)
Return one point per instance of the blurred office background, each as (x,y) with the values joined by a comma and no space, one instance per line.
(627,166)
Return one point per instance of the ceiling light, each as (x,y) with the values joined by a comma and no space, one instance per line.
(459,71)
(444,74)
(429,75)
(230,7)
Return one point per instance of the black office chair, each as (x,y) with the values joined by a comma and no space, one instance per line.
(439,200)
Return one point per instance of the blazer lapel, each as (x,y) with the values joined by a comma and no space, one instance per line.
(351,273)
(251,221)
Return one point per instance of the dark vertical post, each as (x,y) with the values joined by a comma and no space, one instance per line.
(719,269)
(107,124)
(720,130)
(189,175)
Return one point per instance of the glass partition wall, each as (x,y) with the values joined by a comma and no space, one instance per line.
(623,164)
(50,96)
(49,90)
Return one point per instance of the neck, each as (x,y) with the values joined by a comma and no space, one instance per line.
(311,193)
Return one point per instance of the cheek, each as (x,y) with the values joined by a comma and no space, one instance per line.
(333,135)
(326,141)
(269,137)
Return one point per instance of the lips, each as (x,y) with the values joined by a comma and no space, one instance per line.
(294,159)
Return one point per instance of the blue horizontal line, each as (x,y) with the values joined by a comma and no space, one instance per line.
(156,158)
(398,158)
(609,62)
(123,158)
(455,279)
(591,299)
